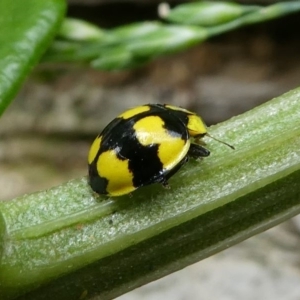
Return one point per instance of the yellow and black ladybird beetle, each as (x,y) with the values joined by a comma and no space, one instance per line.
(144,145)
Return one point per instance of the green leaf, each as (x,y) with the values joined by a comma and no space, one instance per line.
(208,13)
(168,39)
(115,58)
(27,28)
(128,46)
(263,14)
(135,30)
(165,40)
(66,243)
(131,45)
(79,30)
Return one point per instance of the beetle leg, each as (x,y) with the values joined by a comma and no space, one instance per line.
(199,141)
(165,184)
(196,151)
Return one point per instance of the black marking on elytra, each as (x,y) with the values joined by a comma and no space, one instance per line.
(145,165)
(98,183)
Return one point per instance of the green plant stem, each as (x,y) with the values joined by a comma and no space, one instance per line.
(76,244)
(27,28)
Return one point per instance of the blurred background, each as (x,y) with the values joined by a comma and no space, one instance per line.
(46,133)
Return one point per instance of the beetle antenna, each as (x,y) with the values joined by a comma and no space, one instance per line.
(220,141)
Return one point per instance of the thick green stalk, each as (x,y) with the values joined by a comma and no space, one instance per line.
(27,28)
(76,245)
